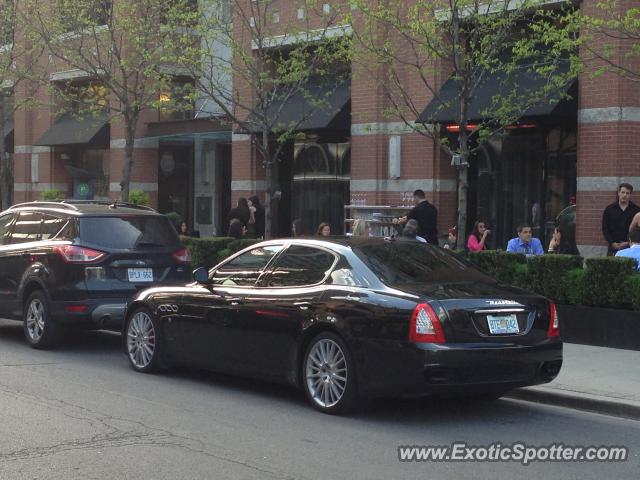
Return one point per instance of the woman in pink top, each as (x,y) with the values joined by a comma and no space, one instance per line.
(477,239)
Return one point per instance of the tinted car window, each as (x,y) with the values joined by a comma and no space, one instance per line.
(5,226)
(26,228)
(301,266)
(245,269)
(51,226)
(128,232)
(401,263)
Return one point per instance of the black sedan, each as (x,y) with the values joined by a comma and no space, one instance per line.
(349,318)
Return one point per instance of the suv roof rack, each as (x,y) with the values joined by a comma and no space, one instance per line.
(40,203)
(71,204)
(110,203)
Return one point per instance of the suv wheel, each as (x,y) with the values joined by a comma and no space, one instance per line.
(40,330)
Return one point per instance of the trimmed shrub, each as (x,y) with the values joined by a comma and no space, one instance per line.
(573,287)
(208,252)
(52,195)
(604,281)
(632,288)
(505,267)
(139,197)
(546,274)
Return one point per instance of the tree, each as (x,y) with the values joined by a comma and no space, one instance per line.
(122,46)
(18,69)
(475,42)
(612,37)
(252,67)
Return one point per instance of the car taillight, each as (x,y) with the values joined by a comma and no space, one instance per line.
(425,325)
(76,254)
(554,322)
(182,256)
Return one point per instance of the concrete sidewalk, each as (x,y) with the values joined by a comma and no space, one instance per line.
(596,379)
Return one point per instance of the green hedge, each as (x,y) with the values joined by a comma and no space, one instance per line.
(604,282)
(207,252)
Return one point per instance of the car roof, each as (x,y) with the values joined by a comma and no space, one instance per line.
(81,208)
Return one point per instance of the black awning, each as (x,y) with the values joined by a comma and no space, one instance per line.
(444,107)
(297,110)
(74,130)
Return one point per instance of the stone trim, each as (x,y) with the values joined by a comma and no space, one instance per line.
(119,143)
(39,187)
(312,35)
(31,149)
(609,115)
(144,186)
(384,128)
(408,185)
(248,185)
(605,184)
(590,251)
(240,137)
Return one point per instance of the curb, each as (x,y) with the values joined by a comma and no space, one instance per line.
(588,403)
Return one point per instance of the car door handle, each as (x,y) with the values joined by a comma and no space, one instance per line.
(233,301)
(303,305)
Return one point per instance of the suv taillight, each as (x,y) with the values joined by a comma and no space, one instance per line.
(182,256)
(425,325)
(76,254)
(554,322)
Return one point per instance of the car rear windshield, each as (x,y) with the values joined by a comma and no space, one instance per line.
(128,232)
(400,263)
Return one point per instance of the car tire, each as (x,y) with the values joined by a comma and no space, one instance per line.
(328,375)
(143,341)
(40,330)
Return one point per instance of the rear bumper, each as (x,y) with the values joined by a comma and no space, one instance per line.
(102,313)
(429,369)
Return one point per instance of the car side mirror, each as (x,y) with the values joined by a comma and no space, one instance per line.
(201,275)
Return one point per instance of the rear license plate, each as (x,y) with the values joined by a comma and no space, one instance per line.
(139,275)
(503,324)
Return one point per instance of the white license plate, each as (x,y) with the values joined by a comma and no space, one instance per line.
(139,275)
(503,324)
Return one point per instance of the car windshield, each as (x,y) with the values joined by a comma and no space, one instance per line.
(129,232)
(401,263)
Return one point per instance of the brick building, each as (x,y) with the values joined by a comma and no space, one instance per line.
(530,176)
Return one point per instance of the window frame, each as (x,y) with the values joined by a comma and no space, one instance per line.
(262,272)
(15,222)
(264,279)
(7,234)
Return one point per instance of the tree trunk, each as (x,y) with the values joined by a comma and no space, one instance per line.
(6,179)
(128,161)
(463,184)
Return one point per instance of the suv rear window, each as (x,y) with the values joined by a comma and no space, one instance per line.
(128,232)
(400,263)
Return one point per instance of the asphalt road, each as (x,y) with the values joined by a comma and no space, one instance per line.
(80,412)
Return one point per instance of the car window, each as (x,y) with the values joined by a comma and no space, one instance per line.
(245,269)
(300,266)
(399,263)
(5,226)
(129,232)
(51,226)
(26,228)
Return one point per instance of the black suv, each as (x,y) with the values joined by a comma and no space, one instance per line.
(76,263)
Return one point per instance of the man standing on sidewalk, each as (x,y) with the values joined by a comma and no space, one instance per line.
(426,214)
(616,219)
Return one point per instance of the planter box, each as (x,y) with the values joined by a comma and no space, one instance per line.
(602,327)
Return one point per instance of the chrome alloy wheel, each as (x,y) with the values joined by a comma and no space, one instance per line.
(141,340)
(326,373)
(35,320)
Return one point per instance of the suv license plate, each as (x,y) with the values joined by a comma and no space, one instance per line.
(138,275)
(503,324)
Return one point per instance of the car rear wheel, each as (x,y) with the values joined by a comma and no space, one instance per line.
(143,341)
(40,330)
(329,377)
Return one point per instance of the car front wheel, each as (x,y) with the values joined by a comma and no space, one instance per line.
(329,377)
(143,341)
(40,330)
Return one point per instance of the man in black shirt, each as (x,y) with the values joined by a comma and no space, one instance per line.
(427,217)
(617,218)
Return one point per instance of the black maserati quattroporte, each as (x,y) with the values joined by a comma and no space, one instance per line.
(344,318)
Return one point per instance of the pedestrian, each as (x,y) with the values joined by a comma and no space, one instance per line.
(410,232)
(617,219)
(634,249)
(324,230)
(296,228)
(477,241)
(426,214)
(563,241)
(241,211)
(256,218)
(524,242)
(184,231)
(359,228)
(237,229)
(452,239)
